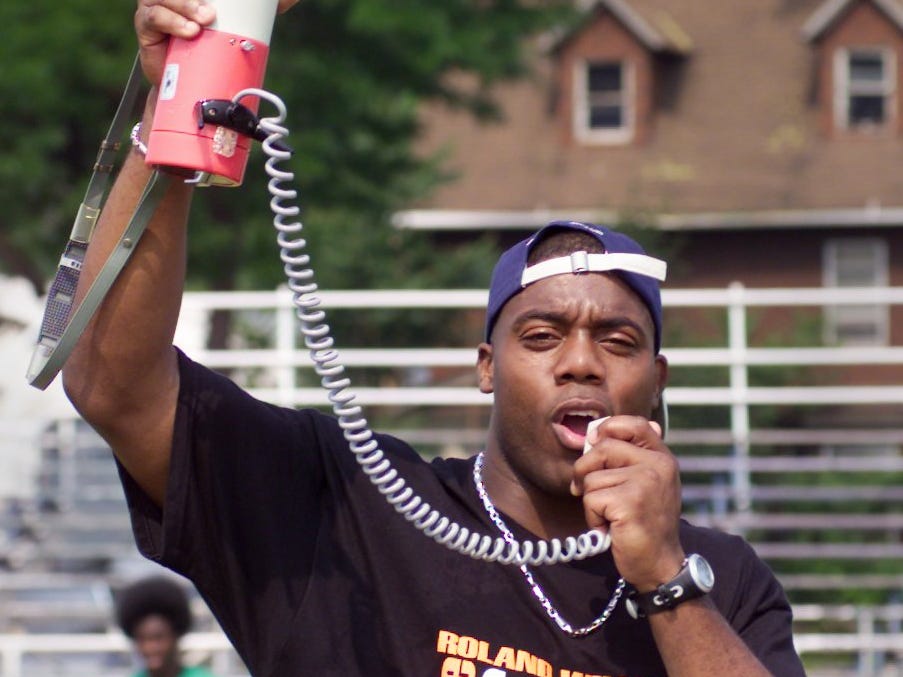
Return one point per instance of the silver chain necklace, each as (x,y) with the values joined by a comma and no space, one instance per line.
(528,575)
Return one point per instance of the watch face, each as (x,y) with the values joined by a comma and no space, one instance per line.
(701,572)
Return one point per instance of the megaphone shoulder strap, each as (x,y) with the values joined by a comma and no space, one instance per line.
(60,327)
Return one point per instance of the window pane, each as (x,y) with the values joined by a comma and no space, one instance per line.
(605,77)
(605,117)
(865,334)
(604,107)
(850,276)
(866,68)
(866,109)
(856,263)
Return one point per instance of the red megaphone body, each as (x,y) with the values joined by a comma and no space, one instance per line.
(228,56)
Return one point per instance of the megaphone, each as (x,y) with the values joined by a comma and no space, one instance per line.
(196,125)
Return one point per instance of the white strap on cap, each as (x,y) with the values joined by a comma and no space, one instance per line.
(581,262)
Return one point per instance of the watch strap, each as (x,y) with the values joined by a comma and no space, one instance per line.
(682,588)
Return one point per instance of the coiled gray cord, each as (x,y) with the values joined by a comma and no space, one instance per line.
(354,426)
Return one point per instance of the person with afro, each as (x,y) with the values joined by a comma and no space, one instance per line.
(154,613)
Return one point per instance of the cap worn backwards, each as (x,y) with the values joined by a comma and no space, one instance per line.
(622,256)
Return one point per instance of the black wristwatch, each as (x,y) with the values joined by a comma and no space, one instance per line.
(694,580)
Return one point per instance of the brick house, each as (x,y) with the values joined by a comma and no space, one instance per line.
(763,138)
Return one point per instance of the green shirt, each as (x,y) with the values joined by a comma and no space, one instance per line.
(196,671)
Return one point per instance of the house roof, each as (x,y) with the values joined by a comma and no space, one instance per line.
(735,137)
(658,33)
(831,10)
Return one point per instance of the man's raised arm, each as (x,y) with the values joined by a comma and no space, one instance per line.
(123,376)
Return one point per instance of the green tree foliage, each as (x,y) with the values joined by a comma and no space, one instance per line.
(63,64)
(353,74)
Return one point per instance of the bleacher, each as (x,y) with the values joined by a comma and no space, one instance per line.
(71,549)
(822,504)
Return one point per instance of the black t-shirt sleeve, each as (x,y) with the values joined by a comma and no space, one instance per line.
(242,508)
(754,603)
(765,622)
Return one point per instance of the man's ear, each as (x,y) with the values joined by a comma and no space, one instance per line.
(661,366)
(659,406)
(484,367)
(661,378)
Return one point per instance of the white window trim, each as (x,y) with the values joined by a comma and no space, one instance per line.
(582,130)
(835,315)
(842,93)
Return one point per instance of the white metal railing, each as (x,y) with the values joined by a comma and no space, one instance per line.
(282,360)
(872,636)
(283,356)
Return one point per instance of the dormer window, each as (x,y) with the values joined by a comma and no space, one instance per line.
(607,68)
(604,109)
(864,94)
(856,45)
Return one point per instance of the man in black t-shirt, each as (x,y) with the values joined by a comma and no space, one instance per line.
(311,572)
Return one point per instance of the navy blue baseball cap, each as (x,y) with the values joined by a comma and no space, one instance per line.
(622,256)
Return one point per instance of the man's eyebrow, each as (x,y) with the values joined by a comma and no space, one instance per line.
(559,317)
(550,316)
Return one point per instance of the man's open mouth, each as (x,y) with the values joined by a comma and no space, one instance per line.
(577,421)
